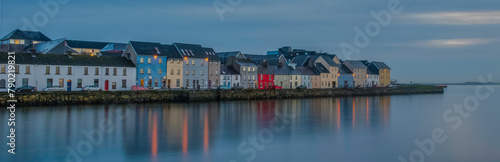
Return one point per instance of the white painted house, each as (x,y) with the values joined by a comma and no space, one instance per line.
(72,73)
(229,77)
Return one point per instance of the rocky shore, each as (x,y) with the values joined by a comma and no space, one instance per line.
(120,97)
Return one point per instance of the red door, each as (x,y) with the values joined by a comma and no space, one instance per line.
(106,85)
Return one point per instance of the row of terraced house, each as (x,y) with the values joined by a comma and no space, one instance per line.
(72,64)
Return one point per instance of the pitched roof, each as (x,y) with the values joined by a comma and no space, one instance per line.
(320,68)
(114,47)
(356,64)
(265,69)
(372,71)
(76,60)
(244,62)
(86,44)
(28,35)
(300,60)
(283,70)
(224,56)
(344,70)
(228,70)
(259,59)
(380,65)
(211,54)
(190,50)
(48,46)
(306,71)
(329,59)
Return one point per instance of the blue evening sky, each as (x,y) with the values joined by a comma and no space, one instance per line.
(428,41)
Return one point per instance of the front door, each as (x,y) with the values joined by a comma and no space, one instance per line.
(106,85)
(68,86)
(168,84)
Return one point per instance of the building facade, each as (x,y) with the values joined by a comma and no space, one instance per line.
(71,72)
(360,72)
(383,71)
(229,77)
(150,60)
(247,70)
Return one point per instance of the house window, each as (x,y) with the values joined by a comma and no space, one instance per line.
(178,83)
(171,71)
(202,72)
(244,69)
(187,72)
(113,85)
(202,63)
(3,83)
(149,60)
(159,71)
(96,82)
(70,69)
(124,72)
(124,83)
(61,82)
(187,82)
(107,71)
(47,69)
(115,70)
(193,72)
(149,71)
(86,71)
(79,83)
(216,72)
(2,69)
(236,77)
(25,82)
(159,61)
(253,69)
(96,71)
(58,70)
(142,71)
(178,71)
(192,62)
(156,82)
(28,69)
(49,82)
(16,69)
(187,62)
(261,77)
(142,60)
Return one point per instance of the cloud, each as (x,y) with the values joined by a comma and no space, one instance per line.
(454,42)
(457,18)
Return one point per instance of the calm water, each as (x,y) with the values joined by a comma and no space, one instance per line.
(323,129)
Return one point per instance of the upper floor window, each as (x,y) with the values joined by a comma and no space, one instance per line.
(47,69)
(58,70)
(141,60)
(3,69)
(96,71)
(159,61)
(115,70)
(28,69)
(86,71)
(149,60)
(124,71)
(69,70)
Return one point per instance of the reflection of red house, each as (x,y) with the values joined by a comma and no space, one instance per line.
(266,81)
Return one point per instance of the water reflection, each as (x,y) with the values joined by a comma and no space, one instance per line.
(189,131)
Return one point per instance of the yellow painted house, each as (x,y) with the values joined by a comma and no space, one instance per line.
(383,71)
(359,71)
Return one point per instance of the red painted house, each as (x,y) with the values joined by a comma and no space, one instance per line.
(265,76)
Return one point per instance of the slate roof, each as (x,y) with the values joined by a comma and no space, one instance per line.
(211,54)
(356,64)
(372,71)
(259,59)
(76,60)
(149,48)
(224,56)
(380,65)
(321,69)
(86,44)
(344,70)
(244,62)
(266,69)
(228,70)
(301,60)
(190,50)
(306,71)
(48,46)
(329,59)
(114,47)
(28,35)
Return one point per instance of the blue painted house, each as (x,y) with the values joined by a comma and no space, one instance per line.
(150,60)
(346,77)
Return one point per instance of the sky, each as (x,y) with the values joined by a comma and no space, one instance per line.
(423,41)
